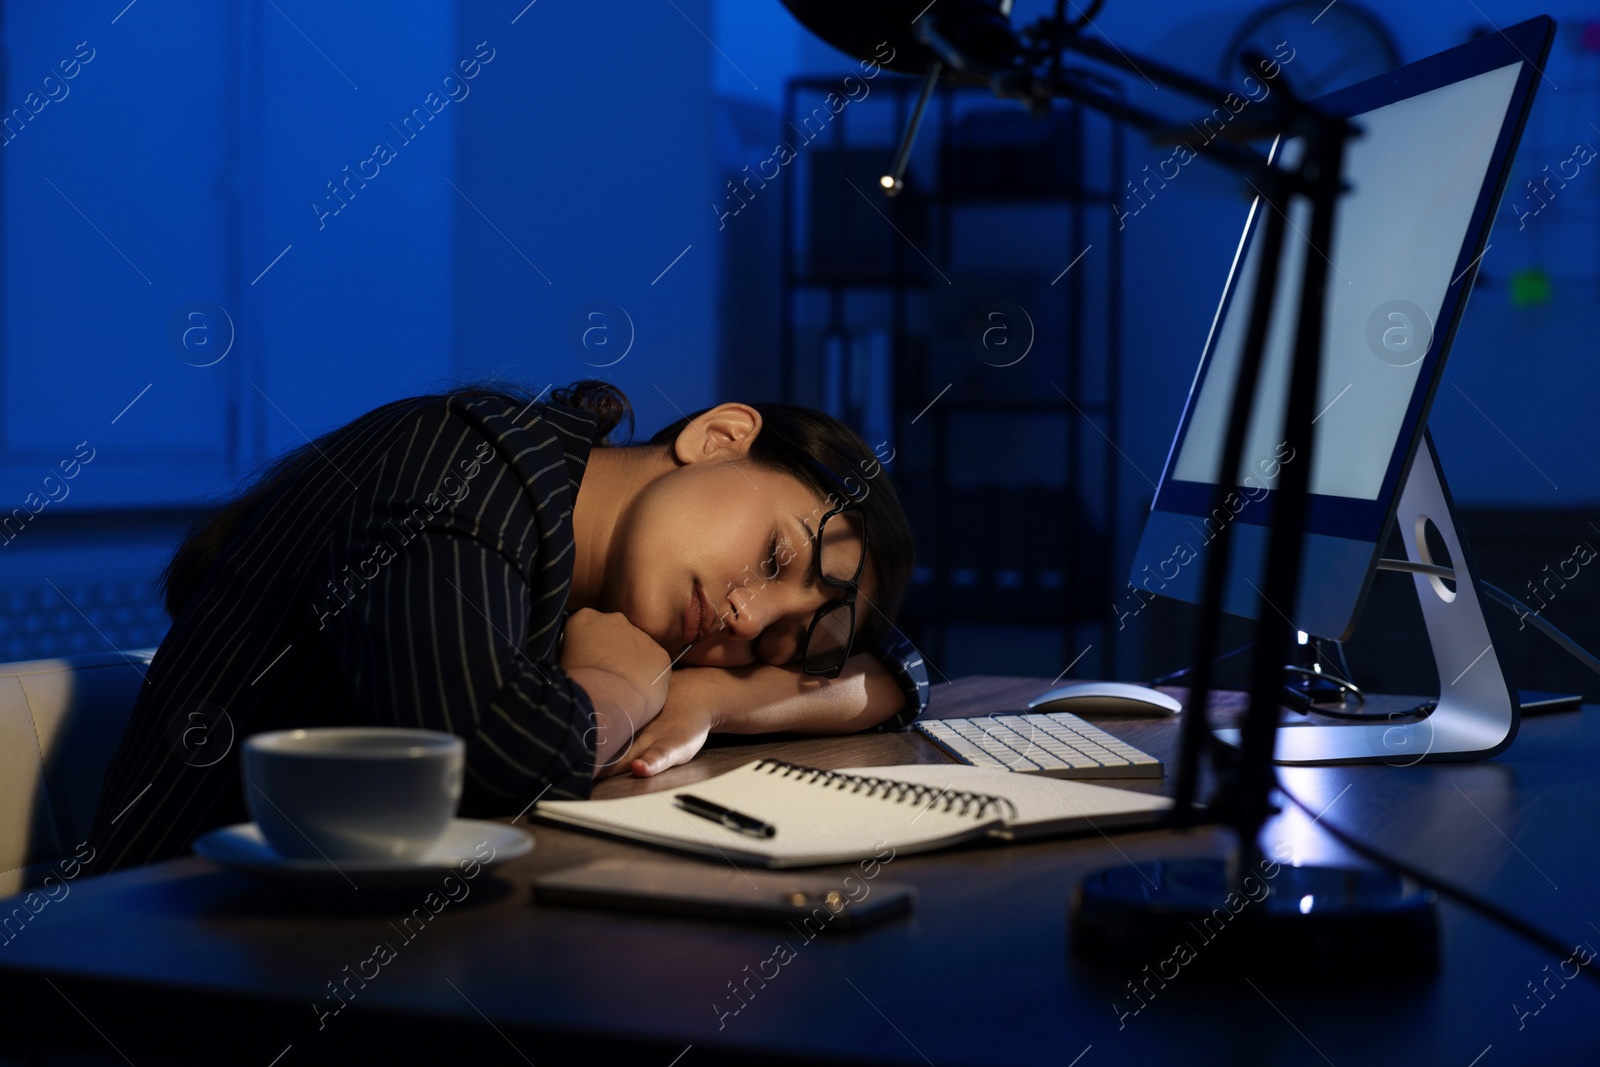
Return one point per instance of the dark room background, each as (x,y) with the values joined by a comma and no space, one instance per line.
(230,227)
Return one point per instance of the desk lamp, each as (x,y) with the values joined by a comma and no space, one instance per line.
(1306,922)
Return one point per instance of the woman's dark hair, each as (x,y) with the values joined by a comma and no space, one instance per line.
(832,460)
(789,435)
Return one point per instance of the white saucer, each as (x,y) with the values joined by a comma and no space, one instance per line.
(242,848)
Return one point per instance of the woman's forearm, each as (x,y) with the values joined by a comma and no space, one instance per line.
(765,699)
(620,710)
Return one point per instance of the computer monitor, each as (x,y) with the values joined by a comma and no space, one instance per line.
(1425,179)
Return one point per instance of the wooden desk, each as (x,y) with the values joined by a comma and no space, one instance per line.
(182,957)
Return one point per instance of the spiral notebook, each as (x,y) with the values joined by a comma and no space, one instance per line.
(841,816)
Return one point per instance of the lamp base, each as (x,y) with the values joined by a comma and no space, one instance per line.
(1299,924)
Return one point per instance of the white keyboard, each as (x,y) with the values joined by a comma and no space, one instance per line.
(1053,744)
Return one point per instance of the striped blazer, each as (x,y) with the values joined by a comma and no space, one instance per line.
(413,572)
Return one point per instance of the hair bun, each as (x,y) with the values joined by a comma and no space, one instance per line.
(608,404)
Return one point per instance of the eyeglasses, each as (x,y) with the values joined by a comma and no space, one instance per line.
(827,641)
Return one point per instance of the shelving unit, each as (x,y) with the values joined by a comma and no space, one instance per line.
(1008,469)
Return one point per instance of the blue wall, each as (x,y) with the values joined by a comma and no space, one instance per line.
(188,153)
(170,202)
(1521,379)
(1529,369)
(369,206)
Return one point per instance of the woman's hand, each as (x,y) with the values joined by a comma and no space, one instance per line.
(758,699)
(623,671)
(607,642)
(678,733)
(762,699)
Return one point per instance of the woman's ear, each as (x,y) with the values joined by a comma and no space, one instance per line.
(726,431)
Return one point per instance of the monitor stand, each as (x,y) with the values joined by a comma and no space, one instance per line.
(1477,714)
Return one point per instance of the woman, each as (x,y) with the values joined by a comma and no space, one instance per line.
(481,563)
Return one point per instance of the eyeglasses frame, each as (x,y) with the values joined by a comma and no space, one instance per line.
(849,599)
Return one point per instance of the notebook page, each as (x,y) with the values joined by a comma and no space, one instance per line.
(816,821)
(1043,804)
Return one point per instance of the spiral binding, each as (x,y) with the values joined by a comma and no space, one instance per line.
(975,804)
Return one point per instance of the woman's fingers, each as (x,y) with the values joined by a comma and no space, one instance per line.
(667,748)
(672,738)
(644,742)
(624,760)
(659,756)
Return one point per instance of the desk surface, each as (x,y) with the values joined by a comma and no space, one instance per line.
(183,956)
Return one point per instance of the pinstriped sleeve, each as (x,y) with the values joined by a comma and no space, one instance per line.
(455,629)
(908,668)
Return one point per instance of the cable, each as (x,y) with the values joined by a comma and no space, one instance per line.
(1567,644)
(1505,599)
(1296,701)
(1328,676)
(1420,711)
(1408,567)
(1185,671)
(1471,901)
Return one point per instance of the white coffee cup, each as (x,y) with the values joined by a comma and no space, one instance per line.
(353,793)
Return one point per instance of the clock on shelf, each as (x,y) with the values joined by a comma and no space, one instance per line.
(1335,44)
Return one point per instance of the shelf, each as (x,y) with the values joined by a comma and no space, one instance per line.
(812,281)
(1001,199)
(1002,406)
(1038,551)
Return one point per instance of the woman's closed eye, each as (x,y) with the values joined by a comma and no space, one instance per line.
(780,552)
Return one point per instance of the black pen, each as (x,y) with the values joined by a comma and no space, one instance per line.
(733,820)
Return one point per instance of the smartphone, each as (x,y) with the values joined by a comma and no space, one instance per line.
(849,900)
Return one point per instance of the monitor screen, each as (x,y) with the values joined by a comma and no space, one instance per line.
(1415,174)
(1424,179)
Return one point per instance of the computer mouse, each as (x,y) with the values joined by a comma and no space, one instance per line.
(1106,698)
